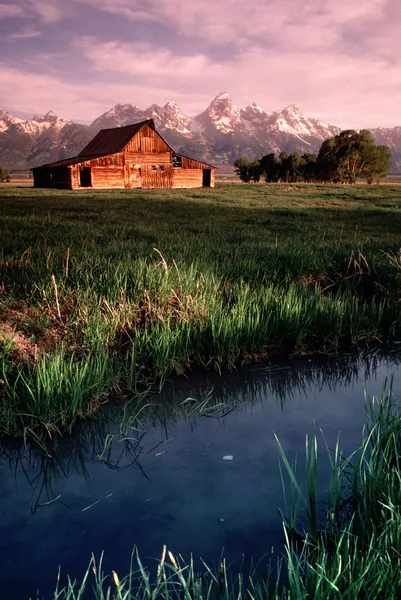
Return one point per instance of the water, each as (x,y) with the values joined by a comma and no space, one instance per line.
(170,484)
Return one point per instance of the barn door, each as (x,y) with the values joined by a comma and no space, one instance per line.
(132,177)
(157,176)
(85,177)
(207,178)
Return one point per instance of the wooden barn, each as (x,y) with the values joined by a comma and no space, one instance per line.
(135,156)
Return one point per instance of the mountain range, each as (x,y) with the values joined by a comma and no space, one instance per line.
(219,135)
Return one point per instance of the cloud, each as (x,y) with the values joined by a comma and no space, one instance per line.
(329,86)
(24,34)
(144,60)
(10,10)
(232,21)
(48,12)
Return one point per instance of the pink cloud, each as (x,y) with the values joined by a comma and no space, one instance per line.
(227,20)
(10,10)
(331,86)
(23,35)
(48,12)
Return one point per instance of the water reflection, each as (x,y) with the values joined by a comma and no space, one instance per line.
(120,436)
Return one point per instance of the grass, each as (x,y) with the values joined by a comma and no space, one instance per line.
(343,547)
(110,289)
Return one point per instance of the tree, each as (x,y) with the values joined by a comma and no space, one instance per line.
(284,166)
(247,169)
(310,167)
(296,165)
(379,165)
(269,167)
(352,155)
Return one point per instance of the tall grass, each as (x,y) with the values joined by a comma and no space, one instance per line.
(53,393)
(353,551)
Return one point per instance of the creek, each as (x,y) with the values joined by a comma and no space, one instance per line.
(199,472)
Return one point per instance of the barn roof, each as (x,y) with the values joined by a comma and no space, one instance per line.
(110,141)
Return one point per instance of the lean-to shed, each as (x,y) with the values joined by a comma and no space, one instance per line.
(134,156)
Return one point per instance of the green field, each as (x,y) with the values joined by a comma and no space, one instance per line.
(109,290)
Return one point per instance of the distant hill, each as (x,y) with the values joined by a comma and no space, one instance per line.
(219,135)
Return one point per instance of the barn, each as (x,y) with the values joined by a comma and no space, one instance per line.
(134,156)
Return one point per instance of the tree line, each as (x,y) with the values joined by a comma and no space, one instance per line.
(344,158)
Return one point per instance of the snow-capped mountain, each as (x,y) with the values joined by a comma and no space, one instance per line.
(218,135)
(168,116)
(26,143)
(224,131)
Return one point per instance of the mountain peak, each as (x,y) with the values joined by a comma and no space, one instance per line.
(171,104)
(220,99)
(48,117)
(292,109)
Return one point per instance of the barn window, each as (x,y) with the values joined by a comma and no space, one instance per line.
(113,161)
(177,161)
(157,167)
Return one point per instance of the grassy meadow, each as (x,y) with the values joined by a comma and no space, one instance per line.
(102,291)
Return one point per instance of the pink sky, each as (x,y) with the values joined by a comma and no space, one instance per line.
(337,60)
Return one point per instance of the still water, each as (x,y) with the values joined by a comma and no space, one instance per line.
(204,484)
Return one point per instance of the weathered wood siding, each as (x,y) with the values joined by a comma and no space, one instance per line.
(147,147)
(74,177)
(147,140)
(107,177)
(157,178)
(190,163)
(104,173)
(188,178)
(132,176)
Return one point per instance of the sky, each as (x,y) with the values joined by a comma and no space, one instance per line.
(337,60)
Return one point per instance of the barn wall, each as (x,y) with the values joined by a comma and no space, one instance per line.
(189,163)
(105,161)
(188,178)
(74,176)
(107,177)
(147,140)
(151,158)
(103,174)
